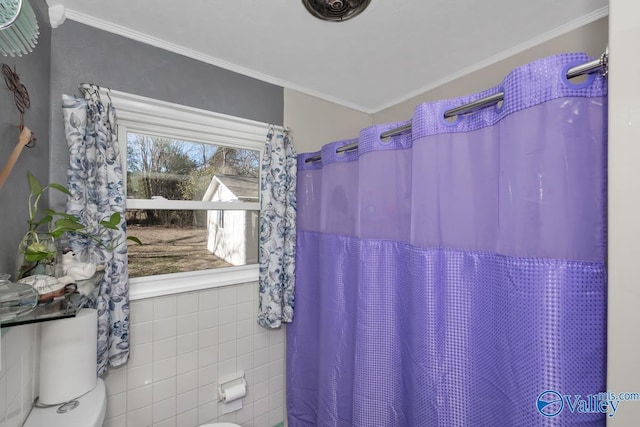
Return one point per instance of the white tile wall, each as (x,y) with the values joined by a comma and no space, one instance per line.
(18,377)
(181,345)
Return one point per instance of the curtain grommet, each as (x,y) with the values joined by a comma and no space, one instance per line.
(589,78)
(384,141)
(449,121)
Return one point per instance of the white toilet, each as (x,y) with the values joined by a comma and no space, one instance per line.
(89,411)
(221,425)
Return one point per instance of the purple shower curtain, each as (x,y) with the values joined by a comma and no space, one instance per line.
(451,276)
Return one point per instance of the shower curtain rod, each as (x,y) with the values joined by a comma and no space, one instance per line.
(481,103)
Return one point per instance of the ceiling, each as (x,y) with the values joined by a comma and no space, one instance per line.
(394,50)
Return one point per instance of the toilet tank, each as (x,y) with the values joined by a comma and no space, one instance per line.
(89,412)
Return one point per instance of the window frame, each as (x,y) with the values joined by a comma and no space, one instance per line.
(144,115)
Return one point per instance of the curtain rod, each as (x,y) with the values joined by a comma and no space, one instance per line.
(481,103)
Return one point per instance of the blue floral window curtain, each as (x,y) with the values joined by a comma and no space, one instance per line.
(277,230)
(97,191)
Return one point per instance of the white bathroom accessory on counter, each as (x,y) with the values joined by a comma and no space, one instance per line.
(231,390)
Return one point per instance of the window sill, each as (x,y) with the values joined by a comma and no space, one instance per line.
(169,284)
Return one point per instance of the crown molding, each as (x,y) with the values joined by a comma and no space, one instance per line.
(190,53)
(558,31)
(57,15)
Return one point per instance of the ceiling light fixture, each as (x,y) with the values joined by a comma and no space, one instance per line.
(335,10)
(18,28)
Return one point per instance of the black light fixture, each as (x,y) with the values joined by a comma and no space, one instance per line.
(335,10)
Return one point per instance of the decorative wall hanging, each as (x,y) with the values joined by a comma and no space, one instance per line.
(21,98)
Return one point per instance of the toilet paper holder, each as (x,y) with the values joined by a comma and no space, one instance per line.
(228,381)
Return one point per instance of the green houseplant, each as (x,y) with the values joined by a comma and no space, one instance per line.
(37,251)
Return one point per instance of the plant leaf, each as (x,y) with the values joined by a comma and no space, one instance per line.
(135,240)
(34,257)
(107,224)
(69,223)
(43,220)
(115,218)
(60,188)
(37,252)
(34,185)
(64,225)
(63,214)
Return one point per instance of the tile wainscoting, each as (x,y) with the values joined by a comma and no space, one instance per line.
(19,373)
(181,345)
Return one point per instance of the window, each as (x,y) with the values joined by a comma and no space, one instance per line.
(163,170)
(220,215)
(192,180)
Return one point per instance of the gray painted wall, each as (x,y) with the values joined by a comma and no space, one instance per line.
(34,74)
(83,54)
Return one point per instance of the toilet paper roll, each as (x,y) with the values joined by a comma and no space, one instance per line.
(235,392)
(68,354)
(228,408)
